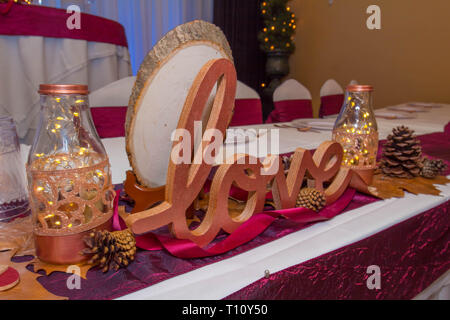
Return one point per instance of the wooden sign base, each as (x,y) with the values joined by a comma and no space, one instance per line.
(143,197)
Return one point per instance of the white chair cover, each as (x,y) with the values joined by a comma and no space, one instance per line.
(291,90)
(115,94)
(330,88)
(245,92)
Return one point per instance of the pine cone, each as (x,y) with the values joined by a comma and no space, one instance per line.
(110,250)
(311,198)
(402,154)
(432,168)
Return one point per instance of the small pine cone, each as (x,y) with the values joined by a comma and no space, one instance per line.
(432,168)
(311,198)
(110,250)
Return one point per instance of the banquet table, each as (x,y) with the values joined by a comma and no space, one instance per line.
(37,47)
(296,261)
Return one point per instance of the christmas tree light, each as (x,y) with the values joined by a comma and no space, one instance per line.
(279,26)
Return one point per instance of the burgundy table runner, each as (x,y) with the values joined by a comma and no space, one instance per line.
(411,255)
(31,20)
(430,229)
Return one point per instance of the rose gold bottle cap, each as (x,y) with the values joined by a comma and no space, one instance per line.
(359,88)
(63,89)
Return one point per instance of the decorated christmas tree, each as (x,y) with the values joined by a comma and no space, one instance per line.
(17,1)
(9,3)
(279,26)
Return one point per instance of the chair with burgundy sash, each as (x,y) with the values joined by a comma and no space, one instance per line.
(331,98)
(109,107)
(247,107)
(292,101)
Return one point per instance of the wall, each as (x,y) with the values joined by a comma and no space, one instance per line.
(407,60)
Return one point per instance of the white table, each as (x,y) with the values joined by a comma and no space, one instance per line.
(291,139)
(28,61)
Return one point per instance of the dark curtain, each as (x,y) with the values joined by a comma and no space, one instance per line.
(240,20)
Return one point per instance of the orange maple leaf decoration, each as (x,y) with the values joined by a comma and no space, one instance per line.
(385,187)
(28,288)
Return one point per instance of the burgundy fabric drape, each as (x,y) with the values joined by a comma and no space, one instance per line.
(30,20)
(331,105)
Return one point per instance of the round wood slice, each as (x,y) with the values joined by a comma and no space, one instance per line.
(9,278)
(159,94)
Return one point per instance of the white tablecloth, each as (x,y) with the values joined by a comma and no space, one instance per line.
(28,61)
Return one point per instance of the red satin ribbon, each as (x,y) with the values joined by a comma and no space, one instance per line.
(249,230)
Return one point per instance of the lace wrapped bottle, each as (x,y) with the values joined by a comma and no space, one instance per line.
(68,176)
(356,130)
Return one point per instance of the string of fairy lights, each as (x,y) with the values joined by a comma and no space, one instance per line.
(279,26)
(17,1)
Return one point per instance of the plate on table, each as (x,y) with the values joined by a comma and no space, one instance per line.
(392,115)
(159,94)
(318,124)
(243,136)
(408,108)
(424,105)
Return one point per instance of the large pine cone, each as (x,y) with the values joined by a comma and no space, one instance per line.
(110,250)
(432,168)
(402,155)
(311,198)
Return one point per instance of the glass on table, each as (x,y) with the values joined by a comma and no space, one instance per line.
(356,128)
(13,189)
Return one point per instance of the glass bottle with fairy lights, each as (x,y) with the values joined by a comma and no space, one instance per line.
(356,130)
(68,175)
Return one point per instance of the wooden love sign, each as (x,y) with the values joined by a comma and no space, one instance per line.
(185,181)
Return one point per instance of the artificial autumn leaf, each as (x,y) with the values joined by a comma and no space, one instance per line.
(17,236)
(235,207)
(28,288)
(39,265)
(385,187)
